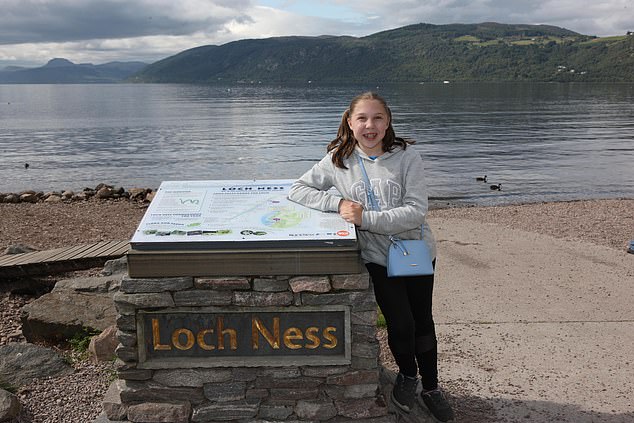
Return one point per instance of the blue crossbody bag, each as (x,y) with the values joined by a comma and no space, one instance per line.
(405,257)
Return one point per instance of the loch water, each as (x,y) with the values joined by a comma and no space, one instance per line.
(541,141)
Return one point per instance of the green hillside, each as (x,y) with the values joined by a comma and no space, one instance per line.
(415,53)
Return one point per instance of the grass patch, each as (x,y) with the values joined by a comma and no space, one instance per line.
(80,341)
(380,321)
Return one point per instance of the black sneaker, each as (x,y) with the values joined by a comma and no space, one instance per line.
(404,392)
(437,404)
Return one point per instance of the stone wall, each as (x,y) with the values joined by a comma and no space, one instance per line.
(334,393)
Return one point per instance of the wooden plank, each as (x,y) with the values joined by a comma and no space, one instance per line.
(311,261)
(32,257)
(118,249)
(97,249)
(70,252)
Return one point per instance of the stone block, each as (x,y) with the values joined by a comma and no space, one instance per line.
(270,285)
(9,406)
(153,285)
(323,371)
(315,410)
(262,299)
(152,412)
(318,284)
(364,318)
(294,393)
(126,354)
(275,412)
(354,377)
(362,408)
(112,405)
(222,284)
(202,298)
(222,392)
(224,412)
(126,322)
(131,302)
(139,391)
(135,374)
(357,281)
(365,349)
(191,377)
(368,390)
(127,339)
(358,300)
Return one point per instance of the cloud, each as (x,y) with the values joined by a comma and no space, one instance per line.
(33,21)
(103,30)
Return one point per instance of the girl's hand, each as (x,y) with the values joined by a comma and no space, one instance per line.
(351,211)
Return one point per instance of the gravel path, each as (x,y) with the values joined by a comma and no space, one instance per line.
(77,398)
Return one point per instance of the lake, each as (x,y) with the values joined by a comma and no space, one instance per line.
(542,141)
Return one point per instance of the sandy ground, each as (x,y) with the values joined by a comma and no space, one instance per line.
(532,305)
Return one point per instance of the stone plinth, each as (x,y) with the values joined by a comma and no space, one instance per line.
(307,352)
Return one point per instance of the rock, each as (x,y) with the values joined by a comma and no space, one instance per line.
(19,249)
(67,195)
(150,196)
(9,406)
(53,198)
(74,306)
(102,346)
(105,192)
(115,267)
(20,364)
(137,193)
(11,198)
(29,197)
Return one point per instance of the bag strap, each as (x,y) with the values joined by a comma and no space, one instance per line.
(368,186)
(375,205)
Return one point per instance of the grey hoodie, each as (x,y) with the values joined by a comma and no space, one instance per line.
(398,183)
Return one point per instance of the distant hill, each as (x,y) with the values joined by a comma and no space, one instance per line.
(416,53)
(62,71)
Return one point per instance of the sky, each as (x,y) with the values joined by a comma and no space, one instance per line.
(98,31)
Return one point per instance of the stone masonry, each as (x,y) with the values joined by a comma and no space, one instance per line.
(297,393)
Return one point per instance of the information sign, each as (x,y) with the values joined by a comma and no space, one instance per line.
(227,214)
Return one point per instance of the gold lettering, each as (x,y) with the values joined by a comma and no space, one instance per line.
(329,336)
(221,331)
(188,334)
(310,335)
(156,337)
(258,327)
(201,340)
(289,335)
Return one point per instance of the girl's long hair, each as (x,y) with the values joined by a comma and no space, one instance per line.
(343,146)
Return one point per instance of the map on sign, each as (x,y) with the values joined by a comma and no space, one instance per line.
(235,214)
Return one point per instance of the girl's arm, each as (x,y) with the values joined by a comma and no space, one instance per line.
(311,189)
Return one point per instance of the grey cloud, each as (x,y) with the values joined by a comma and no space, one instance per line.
(32,21)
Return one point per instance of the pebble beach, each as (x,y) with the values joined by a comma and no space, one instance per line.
(76,398)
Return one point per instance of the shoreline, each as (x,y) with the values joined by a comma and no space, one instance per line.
(46,225)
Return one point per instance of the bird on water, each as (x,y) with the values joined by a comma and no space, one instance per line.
(26,165)
(496,187)
(481,178)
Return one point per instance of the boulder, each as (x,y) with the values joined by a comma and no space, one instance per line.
(105,192)
(21,364)
(74,306)
(115,267)
(9,406)
(19,249)
(102,346)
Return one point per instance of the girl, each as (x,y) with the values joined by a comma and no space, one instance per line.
(396,176)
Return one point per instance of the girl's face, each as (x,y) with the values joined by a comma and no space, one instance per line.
(369,121)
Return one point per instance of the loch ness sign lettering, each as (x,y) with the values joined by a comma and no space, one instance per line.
(230,337)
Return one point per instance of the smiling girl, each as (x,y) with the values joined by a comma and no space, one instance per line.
(397,180)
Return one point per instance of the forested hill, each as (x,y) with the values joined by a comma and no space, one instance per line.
(415,53)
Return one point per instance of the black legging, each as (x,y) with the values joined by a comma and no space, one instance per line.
(406,304)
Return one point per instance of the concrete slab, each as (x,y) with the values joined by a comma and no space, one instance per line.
(533,328)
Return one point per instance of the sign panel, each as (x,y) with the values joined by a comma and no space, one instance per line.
(235,214)
(223,337)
